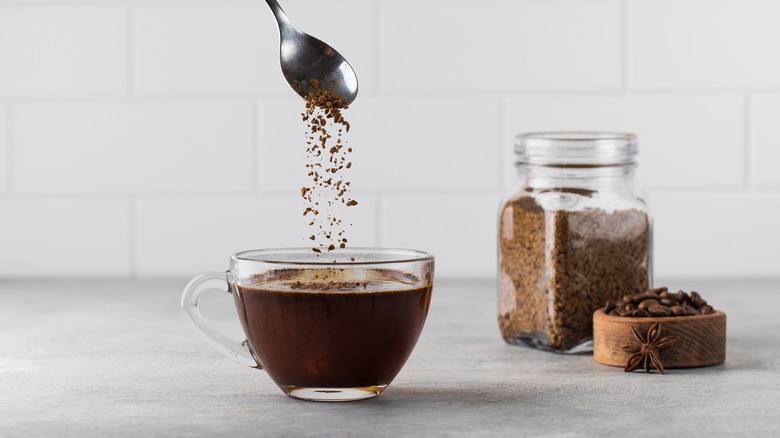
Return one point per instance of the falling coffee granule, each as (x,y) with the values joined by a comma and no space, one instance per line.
(327,161)
(557,267)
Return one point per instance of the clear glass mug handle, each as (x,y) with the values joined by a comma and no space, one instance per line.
(192,317)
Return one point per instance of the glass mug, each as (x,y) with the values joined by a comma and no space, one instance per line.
(325,327)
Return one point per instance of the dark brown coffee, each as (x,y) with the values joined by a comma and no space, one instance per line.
(321,329)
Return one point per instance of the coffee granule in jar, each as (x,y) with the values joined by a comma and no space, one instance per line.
(558,266)
(327,159)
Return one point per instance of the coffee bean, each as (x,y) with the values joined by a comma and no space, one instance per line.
(643,304)
(644,297)
(658,290)
(659,311)
(647,303)
(696,299)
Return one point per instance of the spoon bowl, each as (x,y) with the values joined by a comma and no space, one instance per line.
(310,65)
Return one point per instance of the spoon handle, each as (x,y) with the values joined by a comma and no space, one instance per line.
(284,23)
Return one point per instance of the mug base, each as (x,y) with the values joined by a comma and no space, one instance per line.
(333,394)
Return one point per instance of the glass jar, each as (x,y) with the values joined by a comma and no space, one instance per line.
(576,234)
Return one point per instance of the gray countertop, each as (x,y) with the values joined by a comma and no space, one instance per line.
(112,358)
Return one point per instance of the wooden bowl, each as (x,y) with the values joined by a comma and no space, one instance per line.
(701,339)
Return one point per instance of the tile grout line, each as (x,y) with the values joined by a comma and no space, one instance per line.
(9,149)
(449,94)
(625,53)
(229,194)
(79,3)
(378,221)
(255,151)
(748,179)
(129,47)
(380,46)
(503,135)
(132,235)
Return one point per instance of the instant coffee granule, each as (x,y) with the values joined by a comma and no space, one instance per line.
(327,161)
(558,267)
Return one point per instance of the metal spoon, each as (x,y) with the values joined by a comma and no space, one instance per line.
(305,58)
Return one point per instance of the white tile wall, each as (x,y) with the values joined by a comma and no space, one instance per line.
(206,47)
(734,231)
(684,140)
(704,44)
(63,49)
(64,238)
(766,140)
(502,45)
(186,237)
(160,135)
(400,144)
(460,230)
(133,147)
(5,155)
(233,47)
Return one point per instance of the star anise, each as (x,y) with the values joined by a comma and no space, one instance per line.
(647,352)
